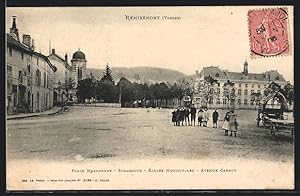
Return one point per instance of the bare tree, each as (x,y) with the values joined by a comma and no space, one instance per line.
(229,92)
(69,86)
(256,98)
(208,89)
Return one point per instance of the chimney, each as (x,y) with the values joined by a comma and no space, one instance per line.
(66,58)
(53,51)
(32,45)
(27,40)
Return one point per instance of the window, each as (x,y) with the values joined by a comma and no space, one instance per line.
(239,92)
(37,60)
(10,51)
(22,55)
(218,91)
(210,101)
(38,77)
(240,85)
(252,102)
(224,101)
(44,79)
(28,68)
(47,82)
(20,77)
(232,102)
(252,91)
(258,85)
(277,78)
(218,101)
(239,101)
(246,85)
(246,92)
(245,101)
(252,86)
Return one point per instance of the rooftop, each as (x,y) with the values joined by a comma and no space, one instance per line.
(217,73)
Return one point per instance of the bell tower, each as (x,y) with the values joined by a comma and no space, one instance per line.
(245,71)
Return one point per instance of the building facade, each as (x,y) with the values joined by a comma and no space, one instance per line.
(62,76)
(29,75)
(245,85)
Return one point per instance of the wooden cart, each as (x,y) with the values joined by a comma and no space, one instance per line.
(277,125)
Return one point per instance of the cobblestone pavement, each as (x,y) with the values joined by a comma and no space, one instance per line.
(136,133)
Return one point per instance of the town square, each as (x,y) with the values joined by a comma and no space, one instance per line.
(138,133)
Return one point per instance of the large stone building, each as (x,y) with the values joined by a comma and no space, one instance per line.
(245,84)
(29,75)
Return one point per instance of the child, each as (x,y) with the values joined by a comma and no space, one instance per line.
(234,127)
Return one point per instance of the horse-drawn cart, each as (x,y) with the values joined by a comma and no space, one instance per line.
(276,114)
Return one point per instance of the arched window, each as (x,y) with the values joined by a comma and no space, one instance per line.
(79,73)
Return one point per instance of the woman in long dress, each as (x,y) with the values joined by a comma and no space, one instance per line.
(226,125)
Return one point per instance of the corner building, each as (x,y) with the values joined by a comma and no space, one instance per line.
(29,75)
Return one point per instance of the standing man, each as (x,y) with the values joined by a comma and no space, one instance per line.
(187,116)
(215,117)
(193,114)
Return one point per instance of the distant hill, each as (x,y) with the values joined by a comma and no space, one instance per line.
(140,74)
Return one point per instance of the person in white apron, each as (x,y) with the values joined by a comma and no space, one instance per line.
(225,125)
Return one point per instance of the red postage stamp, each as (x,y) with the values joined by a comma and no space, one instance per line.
(268,32)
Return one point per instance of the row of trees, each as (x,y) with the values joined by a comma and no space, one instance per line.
(127,92)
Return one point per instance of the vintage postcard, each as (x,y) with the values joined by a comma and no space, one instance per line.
(150,98)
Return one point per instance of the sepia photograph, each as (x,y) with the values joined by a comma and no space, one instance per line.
(140,98)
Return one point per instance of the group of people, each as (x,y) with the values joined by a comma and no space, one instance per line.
(187,116)
(181,116)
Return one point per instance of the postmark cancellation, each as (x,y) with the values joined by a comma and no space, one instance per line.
(268,32)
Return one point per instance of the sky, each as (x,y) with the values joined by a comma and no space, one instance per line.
(203,36)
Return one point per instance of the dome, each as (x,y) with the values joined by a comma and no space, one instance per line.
(78,55)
